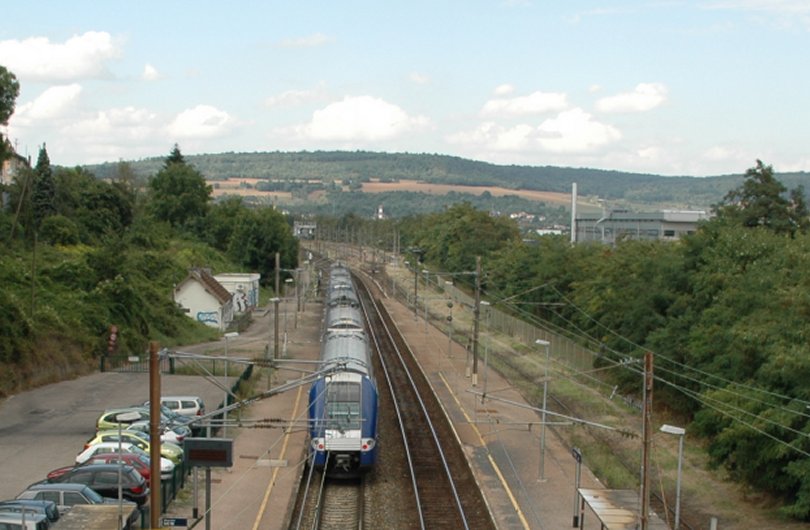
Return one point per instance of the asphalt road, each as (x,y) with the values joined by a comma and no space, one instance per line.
(45,428)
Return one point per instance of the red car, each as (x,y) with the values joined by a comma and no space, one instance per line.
(139,462)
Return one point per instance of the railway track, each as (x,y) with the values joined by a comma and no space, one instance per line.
(421,478)
(445,491)
(327,504)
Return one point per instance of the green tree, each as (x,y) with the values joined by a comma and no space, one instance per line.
(222,220)
(179,194)
(257,236)
(9,90)
(453,239)
(43,191)
(175,157)
(761,201)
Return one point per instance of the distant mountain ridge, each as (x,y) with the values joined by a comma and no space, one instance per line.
(631,188)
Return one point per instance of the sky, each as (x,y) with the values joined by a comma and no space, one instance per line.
(691,88)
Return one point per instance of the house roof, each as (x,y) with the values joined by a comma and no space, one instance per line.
(209,283)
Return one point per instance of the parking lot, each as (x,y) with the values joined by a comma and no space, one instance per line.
(46,428)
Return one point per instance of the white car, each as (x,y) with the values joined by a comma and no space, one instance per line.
(168,435)
(166,465)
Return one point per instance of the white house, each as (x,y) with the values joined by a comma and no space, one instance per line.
(244,287)
(204,299)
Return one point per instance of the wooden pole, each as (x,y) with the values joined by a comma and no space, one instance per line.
(647,439)
(154,434)
(476,315)
(275,307)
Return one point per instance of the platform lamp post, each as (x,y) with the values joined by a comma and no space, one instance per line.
(679,432)
(546,344)
(127,417)
(229,335)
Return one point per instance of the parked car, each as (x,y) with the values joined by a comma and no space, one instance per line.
(48,508)
(23,521)
(67,495)
(188,406)
(58,472)
(107,478)
(175,436)
(109,419)
(137,460)
(166,465)
(140,439)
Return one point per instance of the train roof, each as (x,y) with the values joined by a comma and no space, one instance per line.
(348,347)
(343,316)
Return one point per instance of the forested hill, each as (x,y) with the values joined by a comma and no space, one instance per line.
(433,168)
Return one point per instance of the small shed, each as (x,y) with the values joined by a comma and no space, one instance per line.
(244,287)
(204,299)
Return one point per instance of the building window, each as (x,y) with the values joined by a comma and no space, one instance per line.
(669,233)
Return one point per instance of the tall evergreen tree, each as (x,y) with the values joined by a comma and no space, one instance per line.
(43,191)
(175,157)
(179,193)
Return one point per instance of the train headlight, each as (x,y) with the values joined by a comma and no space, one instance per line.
(317,444)
(368,444)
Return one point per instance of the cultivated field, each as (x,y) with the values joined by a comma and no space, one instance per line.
(233,186)
(443,189)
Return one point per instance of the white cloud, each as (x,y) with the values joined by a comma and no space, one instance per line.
(202,121)
(535,103)
(150,73)
(419,78)
(644,97)
(503,90)
(80,57)
(53,103)
(291,98)
(575,130)
(115,126)
(308,41)
(571,131)
(360,118)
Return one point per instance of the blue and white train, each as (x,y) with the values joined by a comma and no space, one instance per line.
(343,402)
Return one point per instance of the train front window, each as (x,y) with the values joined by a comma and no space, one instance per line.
(343,406)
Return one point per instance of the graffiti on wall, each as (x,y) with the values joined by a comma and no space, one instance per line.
(209,318)
(240,302)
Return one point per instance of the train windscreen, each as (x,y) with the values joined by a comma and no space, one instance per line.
(343,406)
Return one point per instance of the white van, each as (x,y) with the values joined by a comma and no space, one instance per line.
(189,406)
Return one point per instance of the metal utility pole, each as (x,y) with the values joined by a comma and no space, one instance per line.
(476,316)
(647,439)
(547,345)
(275,307)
